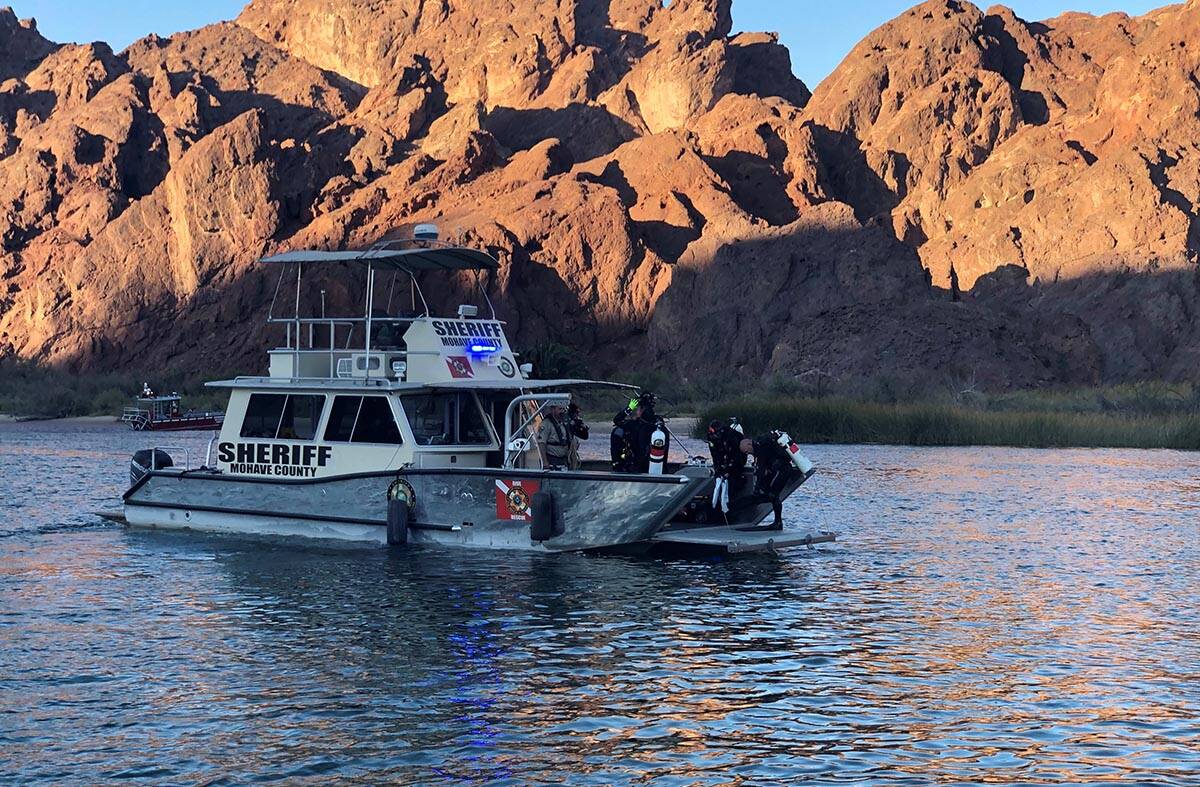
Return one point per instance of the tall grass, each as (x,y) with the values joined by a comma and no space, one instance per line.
(841,420)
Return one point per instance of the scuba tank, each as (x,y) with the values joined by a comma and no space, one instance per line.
(658,450)
(793,451)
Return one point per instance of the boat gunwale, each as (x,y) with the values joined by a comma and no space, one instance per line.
(521,473)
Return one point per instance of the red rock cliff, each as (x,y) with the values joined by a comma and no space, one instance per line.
(659,191)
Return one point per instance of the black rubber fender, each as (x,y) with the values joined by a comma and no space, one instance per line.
(543,526)
(399,515)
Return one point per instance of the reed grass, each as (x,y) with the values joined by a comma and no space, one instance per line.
(843,420)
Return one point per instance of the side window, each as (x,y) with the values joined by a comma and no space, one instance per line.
(362,419)
(300,416)
(430,418)
(341,418)
(376,424)
(262,415)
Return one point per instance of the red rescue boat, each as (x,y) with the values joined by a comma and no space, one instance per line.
(152,413)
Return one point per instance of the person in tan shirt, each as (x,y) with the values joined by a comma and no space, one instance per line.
(554,438)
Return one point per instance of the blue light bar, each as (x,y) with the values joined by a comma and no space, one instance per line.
(483,348)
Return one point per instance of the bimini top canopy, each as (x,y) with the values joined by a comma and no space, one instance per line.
(436,258)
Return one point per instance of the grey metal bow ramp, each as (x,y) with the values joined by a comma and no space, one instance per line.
(737,541)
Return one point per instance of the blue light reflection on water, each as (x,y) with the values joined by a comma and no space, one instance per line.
(1010,616)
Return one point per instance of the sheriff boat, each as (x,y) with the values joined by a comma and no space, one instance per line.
(401,427)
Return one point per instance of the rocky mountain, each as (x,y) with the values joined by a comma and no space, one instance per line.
(660,192)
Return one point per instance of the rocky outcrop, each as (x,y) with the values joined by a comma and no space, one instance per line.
(660,191)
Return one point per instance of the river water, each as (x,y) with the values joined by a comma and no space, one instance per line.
(1002,616)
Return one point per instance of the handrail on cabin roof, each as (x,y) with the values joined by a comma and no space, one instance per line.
(432,258)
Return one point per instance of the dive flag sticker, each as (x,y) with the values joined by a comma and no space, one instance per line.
(460,367)
(513,499)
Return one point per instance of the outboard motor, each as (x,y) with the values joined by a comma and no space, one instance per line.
(145,460)
(798,459)
(658,450)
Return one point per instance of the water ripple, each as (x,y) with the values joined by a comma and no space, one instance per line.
(1009,617)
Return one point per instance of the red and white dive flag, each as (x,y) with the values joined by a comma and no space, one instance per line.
(460,367)
(513,499)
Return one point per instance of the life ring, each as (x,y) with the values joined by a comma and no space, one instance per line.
(400,489)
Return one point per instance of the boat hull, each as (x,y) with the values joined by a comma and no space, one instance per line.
(177,425)
(465,507)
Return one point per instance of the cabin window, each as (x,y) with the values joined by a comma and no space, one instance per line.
(341,418)
(362,419)
(376,424)
(300,416)
(446,419)
(262,415)
(282,416)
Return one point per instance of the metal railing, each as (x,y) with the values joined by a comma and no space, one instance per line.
(208,451)
(187,456)
(519,441)
(298,345)
(136,417)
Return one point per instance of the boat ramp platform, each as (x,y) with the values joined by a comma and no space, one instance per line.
(741,540)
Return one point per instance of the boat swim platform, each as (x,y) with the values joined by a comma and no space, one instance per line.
(737,541)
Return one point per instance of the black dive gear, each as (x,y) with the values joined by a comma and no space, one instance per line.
(773,471)
(575,423)
(724,444)
(621,444)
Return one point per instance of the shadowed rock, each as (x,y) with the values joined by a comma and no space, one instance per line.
(659,190)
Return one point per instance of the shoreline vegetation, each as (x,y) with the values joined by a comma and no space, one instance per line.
(1142,415)
(1083,419)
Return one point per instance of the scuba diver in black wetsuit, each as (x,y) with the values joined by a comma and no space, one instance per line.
(644,423)
(632,431)
(724,445)
(729,463)
(620,443)
(773,471)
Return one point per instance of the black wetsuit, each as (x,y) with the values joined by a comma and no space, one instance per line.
(621,444)
(773,471)
(724,444)
(642,432)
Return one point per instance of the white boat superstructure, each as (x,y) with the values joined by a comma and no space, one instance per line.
(398,426)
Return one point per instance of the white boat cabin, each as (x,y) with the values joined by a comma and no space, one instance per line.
(410,389)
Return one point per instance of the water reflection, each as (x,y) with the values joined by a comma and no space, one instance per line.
(989,616)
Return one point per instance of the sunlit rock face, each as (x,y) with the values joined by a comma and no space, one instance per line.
(659,190)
